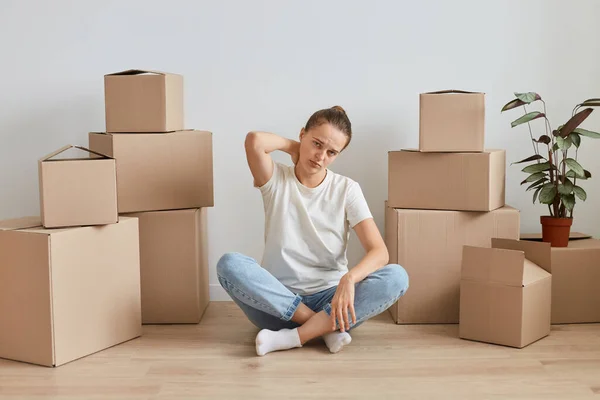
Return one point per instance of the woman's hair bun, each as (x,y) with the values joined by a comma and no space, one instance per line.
(339,108)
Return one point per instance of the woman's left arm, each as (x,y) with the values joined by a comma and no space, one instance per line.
(376,257)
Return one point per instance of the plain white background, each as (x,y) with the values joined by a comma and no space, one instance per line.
(269,64)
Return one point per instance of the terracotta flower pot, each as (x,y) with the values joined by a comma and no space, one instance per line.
(556,231)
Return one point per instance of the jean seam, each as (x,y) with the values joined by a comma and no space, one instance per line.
(285,317)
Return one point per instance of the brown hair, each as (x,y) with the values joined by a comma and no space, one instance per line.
(335,116)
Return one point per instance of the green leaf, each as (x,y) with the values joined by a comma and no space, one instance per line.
(563,143)
(512,104)
(565,188)
(587,174)
(586,133)
(591,102)
(548,193)
(575,138)
(527,117)
(568,200)
(543,139)
(580,192)
(575,121)
(555,147)
(528,97)
(536,183)
(534,177)
(575,166)
(535,194)
(538,167)
(532,158)
(572,174)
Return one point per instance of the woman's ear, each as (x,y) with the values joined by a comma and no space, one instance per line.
(302,133)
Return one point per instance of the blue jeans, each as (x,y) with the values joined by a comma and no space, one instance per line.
(268,304)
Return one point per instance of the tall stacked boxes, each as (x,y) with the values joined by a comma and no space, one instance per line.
(448,193)
(165,180)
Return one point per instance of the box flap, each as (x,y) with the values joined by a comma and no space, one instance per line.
(136,72)
(452,91)
(20,223)
(538,236)
(489,265)
(537,252)
(533,273)
(69,146)
(413,150)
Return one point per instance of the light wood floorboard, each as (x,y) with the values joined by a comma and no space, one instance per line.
(216,359)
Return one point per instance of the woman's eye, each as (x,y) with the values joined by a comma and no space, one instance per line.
(317,144)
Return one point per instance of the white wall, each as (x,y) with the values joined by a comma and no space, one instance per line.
(269,64)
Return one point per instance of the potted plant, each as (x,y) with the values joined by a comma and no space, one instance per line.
(554,174)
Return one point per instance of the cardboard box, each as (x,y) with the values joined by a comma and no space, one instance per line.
(67,293)
(451,121)
(505,293)
(160,172)
(174,266)
(447,181)
(77,191)
(428,244)
(575,276)
(143,101)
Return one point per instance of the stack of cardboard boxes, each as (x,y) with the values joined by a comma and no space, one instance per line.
(165,179)
(447,194)
(448,225)
(121,237)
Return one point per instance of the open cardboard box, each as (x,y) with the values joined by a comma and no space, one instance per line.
(575,278)
(77,191)
(505,292)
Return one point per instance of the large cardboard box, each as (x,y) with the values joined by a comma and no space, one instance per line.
(67,293)
(77,191)
(428,244)
(143,101)
(451,121)
(160,171)
(575,277)
(447,181)
(174,266)
(505,293)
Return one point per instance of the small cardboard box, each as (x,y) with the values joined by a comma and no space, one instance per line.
(451,121)
(505,293)
(428,244)
(174,266)
(160,172)
(575,277)
(447,181)
(67,293)
(143,101)
(77,191)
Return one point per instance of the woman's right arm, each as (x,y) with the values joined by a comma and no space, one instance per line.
(259,145)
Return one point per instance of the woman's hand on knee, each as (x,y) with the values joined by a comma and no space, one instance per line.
(342,301)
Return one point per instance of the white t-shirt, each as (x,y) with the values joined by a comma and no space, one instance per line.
(307,229)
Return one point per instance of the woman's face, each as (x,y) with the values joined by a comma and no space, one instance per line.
(319,147)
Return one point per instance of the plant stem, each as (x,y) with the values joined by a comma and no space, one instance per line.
(533,142)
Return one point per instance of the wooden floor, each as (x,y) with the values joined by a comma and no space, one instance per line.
(216,360)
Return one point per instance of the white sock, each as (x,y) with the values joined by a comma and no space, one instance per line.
(336,340)
(268,341)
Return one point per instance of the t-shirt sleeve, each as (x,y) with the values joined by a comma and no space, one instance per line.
(269,187)
(357,208)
